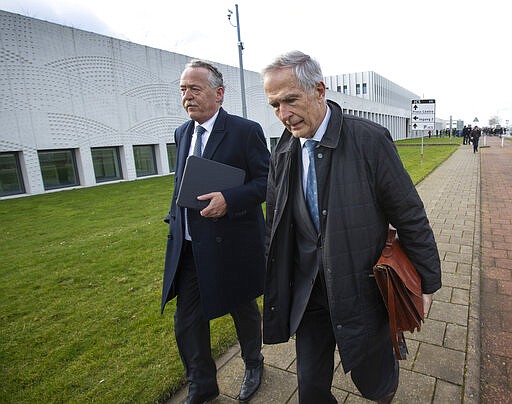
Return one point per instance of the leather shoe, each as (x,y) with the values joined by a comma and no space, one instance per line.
(389,397)
(251,383)
(201,398)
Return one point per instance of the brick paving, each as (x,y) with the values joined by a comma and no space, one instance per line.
(496,275)
(445,364)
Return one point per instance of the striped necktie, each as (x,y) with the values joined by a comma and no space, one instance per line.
(311,186)
(199,134)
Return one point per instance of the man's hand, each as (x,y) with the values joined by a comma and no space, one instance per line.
(217,206)
(427,301)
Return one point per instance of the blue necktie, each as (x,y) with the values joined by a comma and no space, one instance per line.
(311,188)
(199,134)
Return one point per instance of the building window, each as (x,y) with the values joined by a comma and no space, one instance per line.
(364,88)
(338,89)
(273,143)
(107,164)
(11,180)
(171,156)
(58,168)
(145,161)
(358,88)
(345,89)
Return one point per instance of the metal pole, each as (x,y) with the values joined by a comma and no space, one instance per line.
(422,136)
(240,49)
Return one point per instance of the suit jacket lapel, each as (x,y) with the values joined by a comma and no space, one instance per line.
(218,133)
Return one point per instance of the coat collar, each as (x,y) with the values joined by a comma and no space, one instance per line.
(332,135)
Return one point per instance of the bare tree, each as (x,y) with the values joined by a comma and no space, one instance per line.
(494,120)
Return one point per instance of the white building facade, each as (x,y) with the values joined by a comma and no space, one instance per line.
(80,109)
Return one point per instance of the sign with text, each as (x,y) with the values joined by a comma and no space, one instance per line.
(423,114)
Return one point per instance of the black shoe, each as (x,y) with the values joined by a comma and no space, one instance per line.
(201,398)
(251,383)
(389,397)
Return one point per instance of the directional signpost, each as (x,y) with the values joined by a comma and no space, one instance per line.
(423,116)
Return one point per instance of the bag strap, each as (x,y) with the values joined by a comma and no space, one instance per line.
(387,251)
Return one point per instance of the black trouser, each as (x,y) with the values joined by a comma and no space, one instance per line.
(192,329)
(315,344)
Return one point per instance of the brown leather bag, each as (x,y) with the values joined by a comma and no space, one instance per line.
(400,286)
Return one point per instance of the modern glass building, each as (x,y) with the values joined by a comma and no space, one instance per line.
(81,109)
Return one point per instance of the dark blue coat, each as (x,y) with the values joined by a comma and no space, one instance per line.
(229,251)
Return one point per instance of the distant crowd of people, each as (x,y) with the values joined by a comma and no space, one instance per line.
(471,136)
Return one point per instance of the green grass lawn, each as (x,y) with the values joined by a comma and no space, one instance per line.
(419,166)
(80,285)
(432,140)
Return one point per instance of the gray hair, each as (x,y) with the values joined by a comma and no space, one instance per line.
(307,70)
(215,79)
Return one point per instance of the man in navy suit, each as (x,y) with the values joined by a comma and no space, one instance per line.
(215,257)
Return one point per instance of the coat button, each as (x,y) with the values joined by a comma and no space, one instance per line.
(324,212)
(218,239)
(338,327)
(320,155)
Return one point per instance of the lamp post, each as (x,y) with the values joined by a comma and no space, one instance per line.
(240,59)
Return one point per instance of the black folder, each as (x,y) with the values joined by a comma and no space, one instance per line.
(202,176)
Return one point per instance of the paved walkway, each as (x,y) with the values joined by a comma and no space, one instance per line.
(496,275)
(444,360)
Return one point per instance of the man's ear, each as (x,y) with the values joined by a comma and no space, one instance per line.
(220,94)
(320,91)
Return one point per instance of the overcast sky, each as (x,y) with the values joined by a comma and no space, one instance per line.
(454,51)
